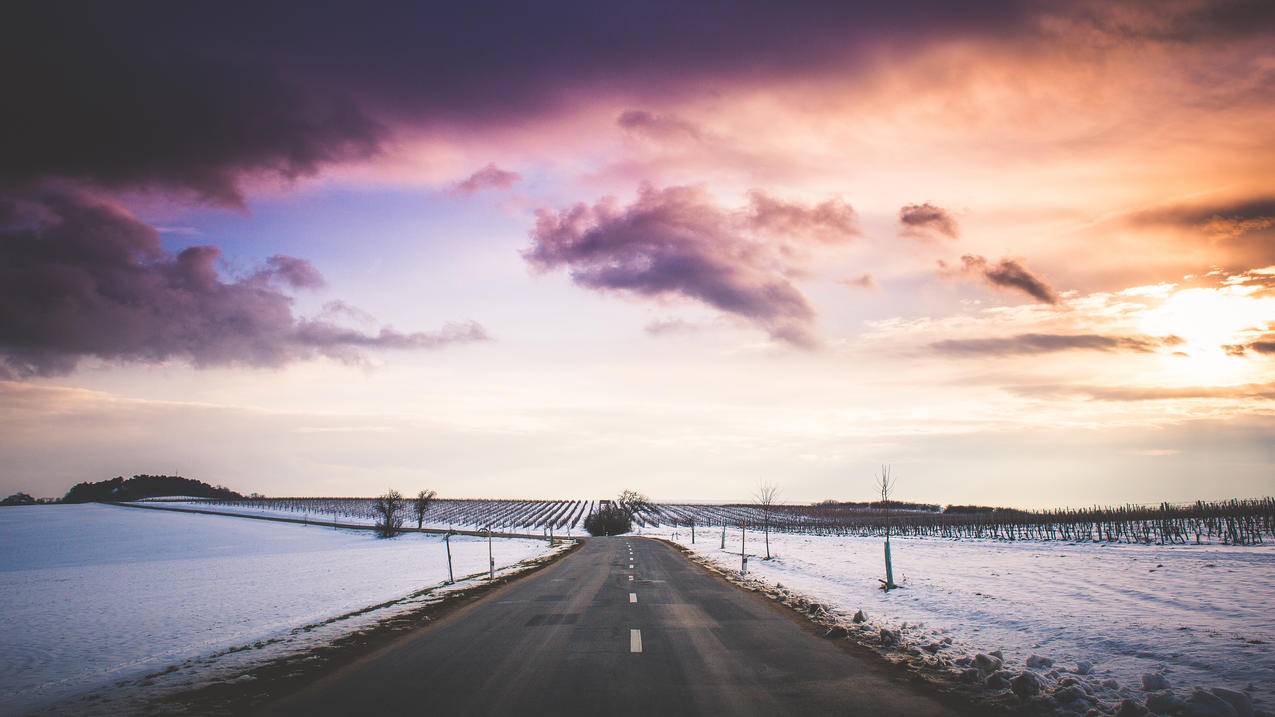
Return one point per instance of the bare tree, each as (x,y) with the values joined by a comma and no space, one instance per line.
(632,500)
(386,508)
(420,504)
(885,483)
(765,495)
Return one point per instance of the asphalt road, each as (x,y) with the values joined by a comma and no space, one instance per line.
(622,626)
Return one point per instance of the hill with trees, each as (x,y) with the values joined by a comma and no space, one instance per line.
(145,486)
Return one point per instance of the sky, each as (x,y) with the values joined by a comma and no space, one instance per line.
(1022,252)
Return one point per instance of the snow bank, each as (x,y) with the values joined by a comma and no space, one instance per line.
(1196,615)
(96,593)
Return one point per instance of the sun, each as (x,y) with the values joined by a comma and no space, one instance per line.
(1209,320)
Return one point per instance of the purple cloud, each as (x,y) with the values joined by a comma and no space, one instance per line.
(80,278)
(182,96)
(1051,343)
(678,242)
(489,177)
(1005,274)
(927,221)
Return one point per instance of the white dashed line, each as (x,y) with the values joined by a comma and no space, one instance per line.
(632,597)
(635,640)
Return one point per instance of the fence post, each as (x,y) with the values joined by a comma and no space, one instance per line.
(743,541)
(451,578)
(692,532)
(723,536)
(491,561)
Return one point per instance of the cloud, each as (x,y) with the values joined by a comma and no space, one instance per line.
(1258,391)
(297,273)
(864,281)
(1051,343)
(662,127)
(668,327)
(927,221)
(1006,274)
(190,97)
(179,96)
(489,177)
(81,278)
(1242,228)
(831,221)
(1263,345)
(678,242)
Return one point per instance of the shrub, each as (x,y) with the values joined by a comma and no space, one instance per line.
(608,521)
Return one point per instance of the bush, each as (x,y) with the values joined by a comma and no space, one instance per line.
(608,521)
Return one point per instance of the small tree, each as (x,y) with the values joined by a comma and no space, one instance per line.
(632,501)
(420,504)
(885,483)
(766,494)
(387,508)
(610,520)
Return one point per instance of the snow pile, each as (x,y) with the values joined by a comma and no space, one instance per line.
(95,593)
(1069,626)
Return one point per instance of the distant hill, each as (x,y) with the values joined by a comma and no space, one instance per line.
(145,486)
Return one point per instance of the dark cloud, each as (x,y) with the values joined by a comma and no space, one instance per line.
(197,97)
(1226,220)
(489,177)
(297,273)
(678,242)
(1006,274)
(1263,391)
(1051,343)
(1264,345)
(1246,226)
(831,221)
(81,278)
(927,221)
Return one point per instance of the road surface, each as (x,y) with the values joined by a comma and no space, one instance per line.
(622,626)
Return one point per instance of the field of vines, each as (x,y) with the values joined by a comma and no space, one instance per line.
(471,514)
(1234,522)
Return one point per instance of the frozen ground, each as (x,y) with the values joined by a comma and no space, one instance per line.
(1201,615)
(93,594)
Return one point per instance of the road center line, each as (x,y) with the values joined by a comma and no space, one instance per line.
(635,640)
(632,597)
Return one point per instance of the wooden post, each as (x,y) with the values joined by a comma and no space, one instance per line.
(889,569)
(743,541)
(692,532)
(723,536)
(451,578)
(491,561)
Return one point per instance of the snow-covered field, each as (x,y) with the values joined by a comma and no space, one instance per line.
(1200,615)
(92,594)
